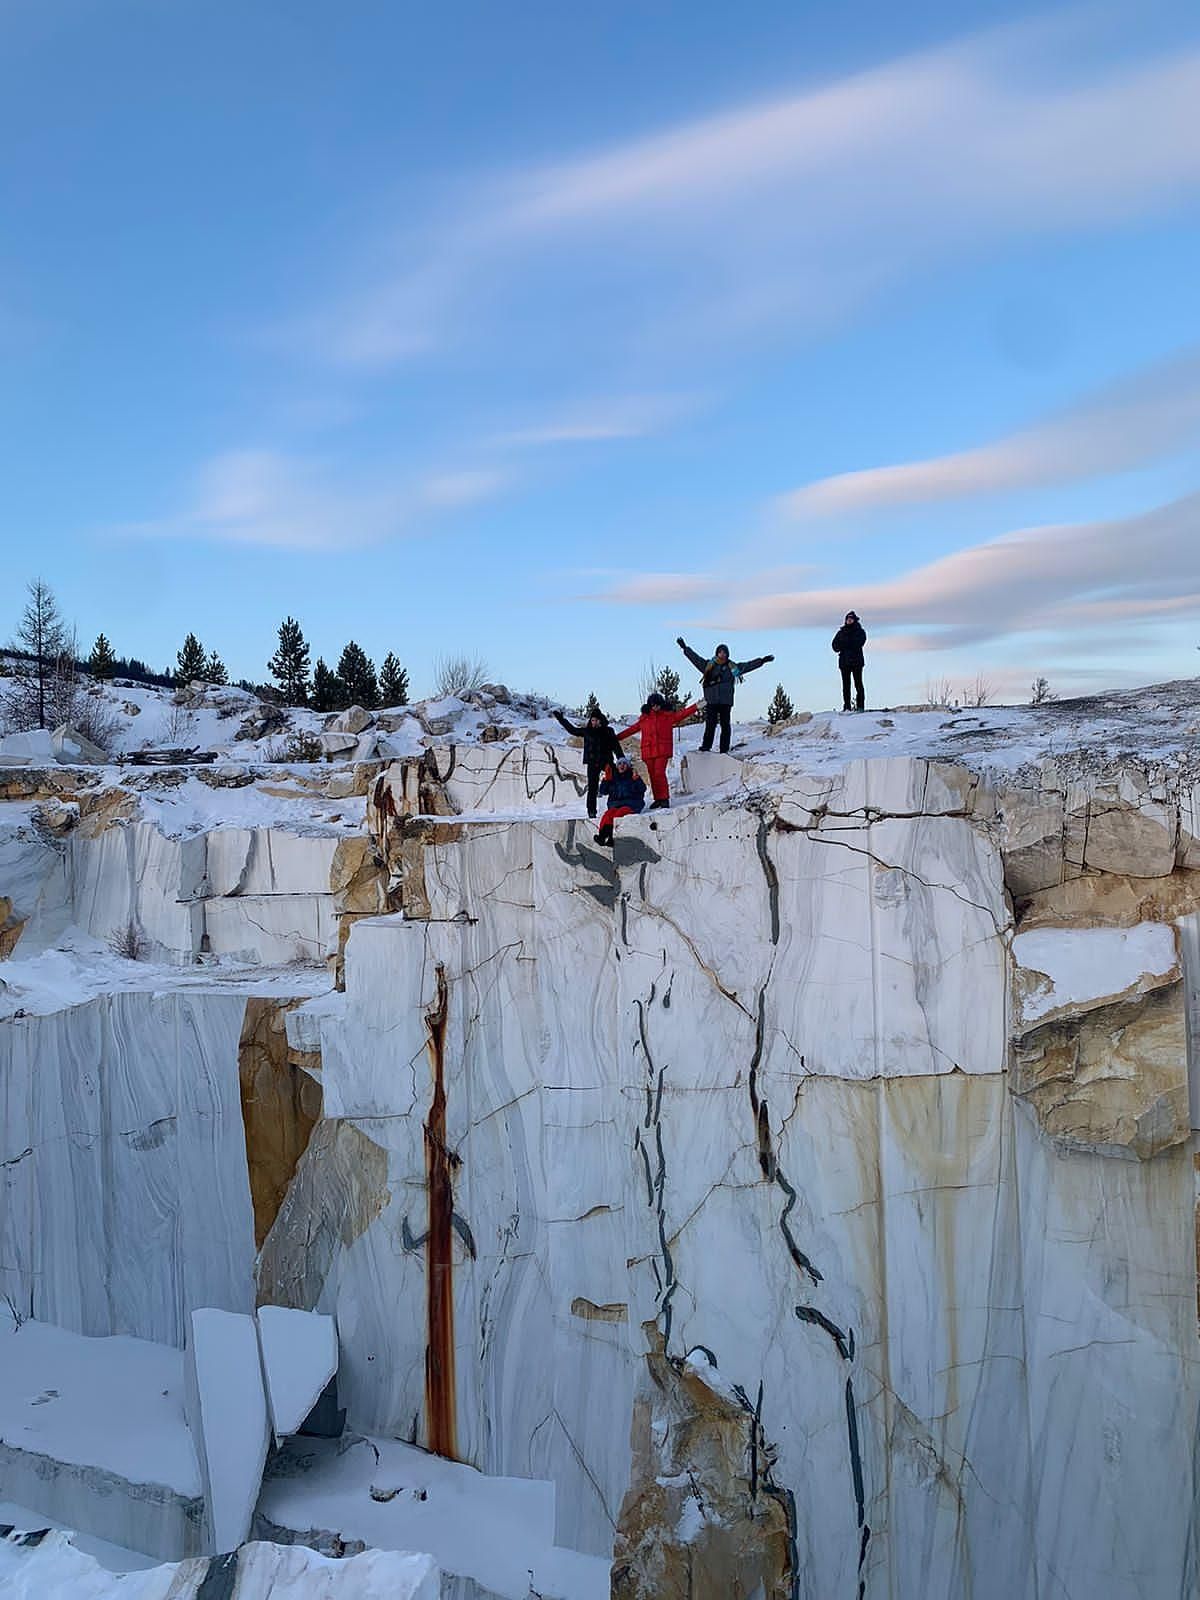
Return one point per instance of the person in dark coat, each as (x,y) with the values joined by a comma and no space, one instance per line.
(720,677)
(626,795)
(848,641)
(601,748)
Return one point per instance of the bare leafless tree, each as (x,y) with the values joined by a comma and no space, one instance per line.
(1042,693)
(938,692)
(979,692)
(458,675)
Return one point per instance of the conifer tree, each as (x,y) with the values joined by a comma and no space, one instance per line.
(215,670)
(393,682)
(357,673)
(592,709)
(781,708)
(191,660)
(41,690)
(102,663)
(289,665)
(667,685)
(326,690)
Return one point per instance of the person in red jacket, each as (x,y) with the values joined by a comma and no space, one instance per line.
(657,728)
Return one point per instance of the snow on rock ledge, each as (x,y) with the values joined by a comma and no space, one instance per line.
(39,1565)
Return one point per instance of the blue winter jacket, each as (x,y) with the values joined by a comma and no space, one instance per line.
(625,789)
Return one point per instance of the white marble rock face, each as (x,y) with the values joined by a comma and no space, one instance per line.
(124,1196)
(751,1080)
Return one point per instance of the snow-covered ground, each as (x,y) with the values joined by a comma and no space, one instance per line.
(1156,722)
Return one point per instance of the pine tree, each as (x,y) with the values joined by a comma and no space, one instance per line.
(102,663)
(357,672)
(592,709)
(215,671)
(781,708)
(667,685)
(41,690)
(289,665)
(326,690)
(191,660)
(393,682)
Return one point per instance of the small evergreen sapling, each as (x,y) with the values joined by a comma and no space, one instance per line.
(102,663)
(667,685)
(592,709)
(393,682)
(215,671)
(191,660)
(781,708)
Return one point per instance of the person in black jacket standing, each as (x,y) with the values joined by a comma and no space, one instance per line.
(848,641)
(720,677)
(601,748)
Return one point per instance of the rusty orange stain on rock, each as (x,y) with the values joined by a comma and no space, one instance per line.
(440,1417)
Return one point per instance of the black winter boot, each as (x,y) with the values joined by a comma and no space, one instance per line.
(661,805)
(605,835)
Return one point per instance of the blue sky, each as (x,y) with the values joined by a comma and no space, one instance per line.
(548,332)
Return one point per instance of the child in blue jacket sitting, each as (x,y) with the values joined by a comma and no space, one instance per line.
(626,794)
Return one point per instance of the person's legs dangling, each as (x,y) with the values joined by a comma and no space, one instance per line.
(604,833)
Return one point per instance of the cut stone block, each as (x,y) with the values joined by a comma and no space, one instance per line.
(299,1357)
(227,1410)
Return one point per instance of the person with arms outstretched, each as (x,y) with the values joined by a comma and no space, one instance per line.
(601,748)
(720,677)
(848,641)
(657,725)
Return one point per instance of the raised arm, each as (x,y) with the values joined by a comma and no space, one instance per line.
(627,733)
(569,726)
(697,661)
(752,666)
(682,716)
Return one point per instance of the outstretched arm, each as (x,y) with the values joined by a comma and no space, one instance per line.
(569,726)
(752,666)
(626,733)
(682,716)
(697,661)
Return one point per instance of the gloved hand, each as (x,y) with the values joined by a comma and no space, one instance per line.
(770,658)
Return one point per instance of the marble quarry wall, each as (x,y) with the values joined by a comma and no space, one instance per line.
(806,1187)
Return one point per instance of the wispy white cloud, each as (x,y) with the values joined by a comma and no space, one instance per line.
(627,417)
(772,213)
(262,497)
(1140,419)
(663,588)
(1052,579)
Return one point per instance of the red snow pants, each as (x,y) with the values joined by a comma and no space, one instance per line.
(656,766)
(611,815)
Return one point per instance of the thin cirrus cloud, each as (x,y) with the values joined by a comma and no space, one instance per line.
(628,417)
(806,203)
(1142,419)
(262,497)
(1063,579)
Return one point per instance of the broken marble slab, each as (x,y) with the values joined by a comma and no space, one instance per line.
(43,1564)
(495,1533)
(93,1434)
(299,1357)
(227,1412)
